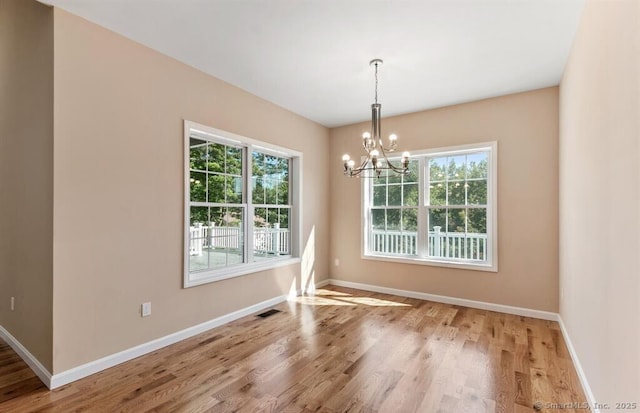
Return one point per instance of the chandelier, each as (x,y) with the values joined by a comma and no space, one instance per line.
(376,160)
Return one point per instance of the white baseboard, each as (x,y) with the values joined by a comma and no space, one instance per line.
(33,363)
(323,283)
(93,367)
(307,290)
(526,312)
(576,362)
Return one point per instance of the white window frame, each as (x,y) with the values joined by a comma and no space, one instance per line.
(191,279)
(422,258)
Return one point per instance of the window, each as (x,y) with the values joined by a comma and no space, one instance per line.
(394,213)
(272,206)
(442,212)
(241,205)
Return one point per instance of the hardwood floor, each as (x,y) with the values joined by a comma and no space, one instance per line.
(342,350)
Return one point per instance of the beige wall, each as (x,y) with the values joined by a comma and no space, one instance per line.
(26,165)
(600,198)
(118,203)
(526,128)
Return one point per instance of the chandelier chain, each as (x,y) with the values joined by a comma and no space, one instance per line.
(376,69)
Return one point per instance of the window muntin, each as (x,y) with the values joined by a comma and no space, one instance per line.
(241,205)
(453,222)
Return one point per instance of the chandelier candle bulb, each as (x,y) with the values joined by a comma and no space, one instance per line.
(346,157)
(376,160)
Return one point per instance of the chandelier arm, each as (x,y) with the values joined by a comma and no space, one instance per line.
(402,169)
(384,152)
(387,148)
(363,167)
(364,162)
(358,171)
(398,170)
(389,166)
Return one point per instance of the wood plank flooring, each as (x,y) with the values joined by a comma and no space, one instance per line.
(343,350)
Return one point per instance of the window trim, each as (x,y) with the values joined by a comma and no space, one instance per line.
(492,214)
(295,193)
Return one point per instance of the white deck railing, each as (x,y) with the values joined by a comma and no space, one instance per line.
(394,242)
(277,241)
(265,240)
(441,244)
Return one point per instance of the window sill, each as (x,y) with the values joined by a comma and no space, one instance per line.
(205,277)
(434,263)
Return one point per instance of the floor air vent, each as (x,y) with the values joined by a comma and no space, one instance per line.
(268,313)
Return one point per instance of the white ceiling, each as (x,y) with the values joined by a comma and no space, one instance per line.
(311,56)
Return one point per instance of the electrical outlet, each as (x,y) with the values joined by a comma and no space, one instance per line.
(13,303)
(337,262)
(146,309)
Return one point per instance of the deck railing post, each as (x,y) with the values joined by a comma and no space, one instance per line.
(276,238)
(198,233)
(436,241)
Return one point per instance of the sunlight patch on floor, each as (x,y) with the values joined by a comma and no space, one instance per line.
(308,300)
(374,302)
(323,291)
(329,297)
